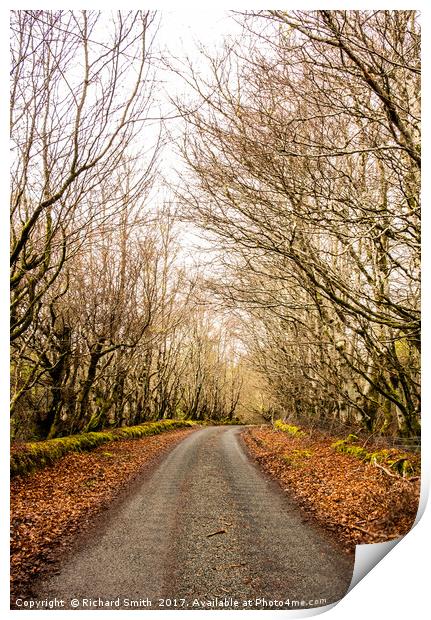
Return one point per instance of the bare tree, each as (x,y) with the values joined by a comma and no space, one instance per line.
(304,151)
(78,99)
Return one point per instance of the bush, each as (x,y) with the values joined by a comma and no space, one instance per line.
(27,457)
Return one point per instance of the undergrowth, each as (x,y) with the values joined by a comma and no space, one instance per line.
(403,464)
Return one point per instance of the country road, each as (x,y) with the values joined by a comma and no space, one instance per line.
(206,525)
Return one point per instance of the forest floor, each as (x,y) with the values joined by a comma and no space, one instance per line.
(50,507)
(357,501)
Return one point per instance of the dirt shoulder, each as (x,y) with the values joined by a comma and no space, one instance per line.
(356,501)
(49,508)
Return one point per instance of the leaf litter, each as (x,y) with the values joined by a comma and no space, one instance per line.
(356,501)
(50,507)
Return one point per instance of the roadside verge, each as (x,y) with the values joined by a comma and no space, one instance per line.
(29,456)
(52,506)
(359,502)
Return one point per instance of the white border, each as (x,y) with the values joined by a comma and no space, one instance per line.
(397,588)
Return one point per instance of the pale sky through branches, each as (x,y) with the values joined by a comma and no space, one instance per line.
(181,36)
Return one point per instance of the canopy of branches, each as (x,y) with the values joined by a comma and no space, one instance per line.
(300,164)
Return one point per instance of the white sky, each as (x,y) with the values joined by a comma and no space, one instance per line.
(182,28)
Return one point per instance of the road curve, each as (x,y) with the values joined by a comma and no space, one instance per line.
(205,529)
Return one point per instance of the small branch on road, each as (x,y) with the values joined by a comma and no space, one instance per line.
(217,532)
(224,566)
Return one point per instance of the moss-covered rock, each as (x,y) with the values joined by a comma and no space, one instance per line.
(392,459)
(347,448)
(27,457)
(295,431)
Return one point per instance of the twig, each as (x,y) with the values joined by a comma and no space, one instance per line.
(362,529)
(387,471)
(368,439)
(217,532)
(395,475)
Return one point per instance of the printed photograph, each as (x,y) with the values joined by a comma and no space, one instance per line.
(215,304)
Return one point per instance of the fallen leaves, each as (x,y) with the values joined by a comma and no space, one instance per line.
(50,507)
(356,501)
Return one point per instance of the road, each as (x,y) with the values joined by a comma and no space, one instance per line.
(205,528)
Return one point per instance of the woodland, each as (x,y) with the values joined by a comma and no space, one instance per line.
(272,271)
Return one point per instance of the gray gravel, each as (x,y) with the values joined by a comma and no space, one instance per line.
(160,548)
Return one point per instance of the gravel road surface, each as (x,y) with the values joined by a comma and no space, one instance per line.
(205,530)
